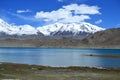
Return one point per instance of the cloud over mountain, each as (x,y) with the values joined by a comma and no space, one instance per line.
(72,13)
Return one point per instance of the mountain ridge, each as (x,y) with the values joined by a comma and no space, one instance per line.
(103,39)
(56,29)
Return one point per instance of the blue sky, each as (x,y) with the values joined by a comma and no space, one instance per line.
(103,13)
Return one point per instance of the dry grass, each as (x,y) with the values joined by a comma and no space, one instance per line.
(35,72)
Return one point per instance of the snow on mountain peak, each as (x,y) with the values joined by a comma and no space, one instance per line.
(47,30)
(73,27)
(1,20)
(27,29)
(19,30)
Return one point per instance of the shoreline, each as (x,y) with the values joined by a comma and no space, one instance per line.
(15,71)
(61,67)
(60,47)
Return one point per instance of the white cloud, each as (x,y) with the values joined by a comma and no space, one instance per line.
(83,9)
(98,21)
(75,19)
(28,18)
(23,11)
(68,14)
(60,0)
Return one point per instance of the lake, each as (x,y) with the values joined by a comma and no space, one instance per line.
(60,57)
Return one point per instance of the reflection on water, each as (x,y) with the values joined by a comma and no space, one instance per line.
(60,57)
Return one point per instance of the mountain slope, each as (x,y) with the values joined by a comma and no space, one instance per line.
(110,37)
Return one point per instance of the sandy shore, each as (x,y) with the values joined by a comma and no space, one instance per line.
(11,71)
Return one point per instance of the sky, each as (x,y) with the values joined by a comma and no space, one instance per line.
(103,13)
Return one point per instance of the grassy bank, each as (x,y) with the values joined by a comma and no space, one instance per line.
(35,72)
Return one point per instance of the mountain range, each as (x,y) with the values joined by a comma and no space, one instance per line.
(83,35)
(56,30)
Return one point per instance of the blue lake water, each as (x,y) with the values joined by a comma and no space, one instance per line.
(60,57)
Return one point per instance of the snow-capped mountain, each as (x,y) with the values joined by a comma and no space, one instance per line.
(73,28)
(56,29)
(19,30)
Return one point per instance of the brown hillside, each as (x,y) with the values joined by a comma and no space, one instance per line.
(106,37)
